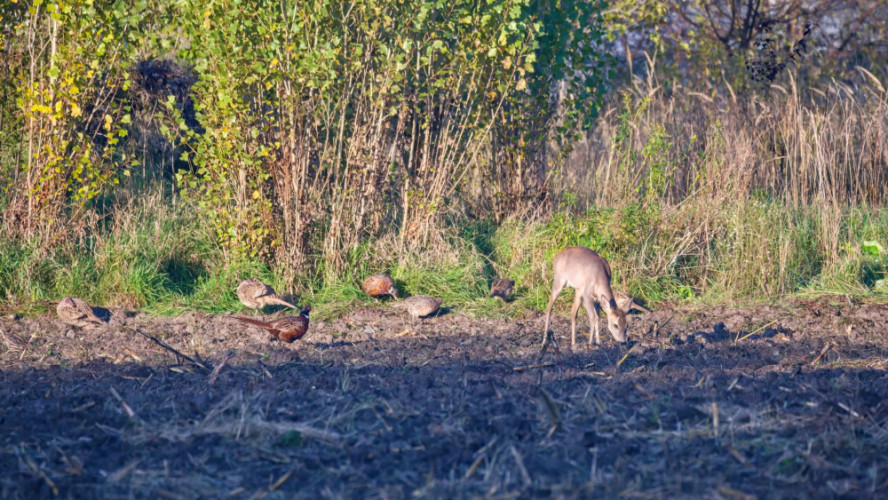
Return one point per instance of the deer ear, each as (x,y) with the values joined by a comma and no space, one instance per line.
(629,305)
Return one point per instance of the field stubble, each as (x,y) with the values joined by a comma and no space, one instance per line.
(718,403)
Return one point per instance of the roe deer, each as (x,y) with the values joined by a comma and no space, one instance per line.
(589,275)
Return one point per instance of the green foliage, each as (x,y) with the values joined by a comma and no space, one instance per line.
(325,80)
(149,256)
(334,140)
(69,102)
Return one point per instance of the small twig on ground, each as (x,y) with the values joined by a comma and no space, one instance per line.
(531,367)
(551,406)
(129,411)
(218,368)
(620,362)
(473,468)
(37,470)
(480,455)
(280,482)
(84,406)
(849,410)
(123,472)
(732,493)
(643,391)
(822,353)
(27,346)
(761,328)
(132,354)
(168,348)
(658,326)
(737,455)
(264,369)
(250,426)
(521,468)
(715,418)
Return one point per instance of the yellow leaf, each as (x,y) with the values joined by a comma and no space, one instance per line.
(522,84)
(75,110)
(507,62)
(274,62)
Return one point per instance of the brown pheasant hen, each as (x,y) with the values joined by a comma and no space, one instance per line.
(256,295)
(287,329)
(77,312)
(420,306)
(380,285)
(501,288)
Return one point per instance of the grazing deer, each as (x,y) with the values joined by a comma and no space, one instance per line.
(589,275)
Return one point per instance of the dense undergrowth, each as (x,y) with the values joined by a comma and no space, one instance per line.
(153,256)
(154,155)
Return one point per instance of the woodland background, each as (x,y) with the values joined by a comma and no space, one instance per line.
(154,153)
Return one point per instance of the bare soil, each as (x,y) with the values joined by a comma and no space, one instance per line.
(770,402)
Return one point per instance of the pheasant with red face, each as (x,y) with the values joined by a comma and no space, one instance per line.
(380,285)
(287,329)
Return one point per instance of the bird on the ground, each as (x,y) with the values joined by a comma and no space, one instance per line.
(256,295)
(501,288)
(380,285)
(627,303)
(420,306)
(287,329)
(77,312)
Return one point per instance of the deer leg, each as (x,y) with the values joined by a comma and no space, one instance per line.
(556,290)
(594,321)
(573,320)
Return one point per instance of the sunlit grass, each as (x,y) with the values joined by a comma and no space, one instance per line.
(160,260)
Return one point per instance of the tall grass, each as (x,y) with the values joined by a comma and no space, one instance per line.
(689,196)
(746,197)
(146,253)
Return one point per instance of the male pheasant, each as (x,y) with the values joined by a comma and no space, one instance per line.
(287,329)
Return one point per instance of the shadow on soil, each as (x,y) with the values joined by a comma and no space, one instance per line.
(359,410)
